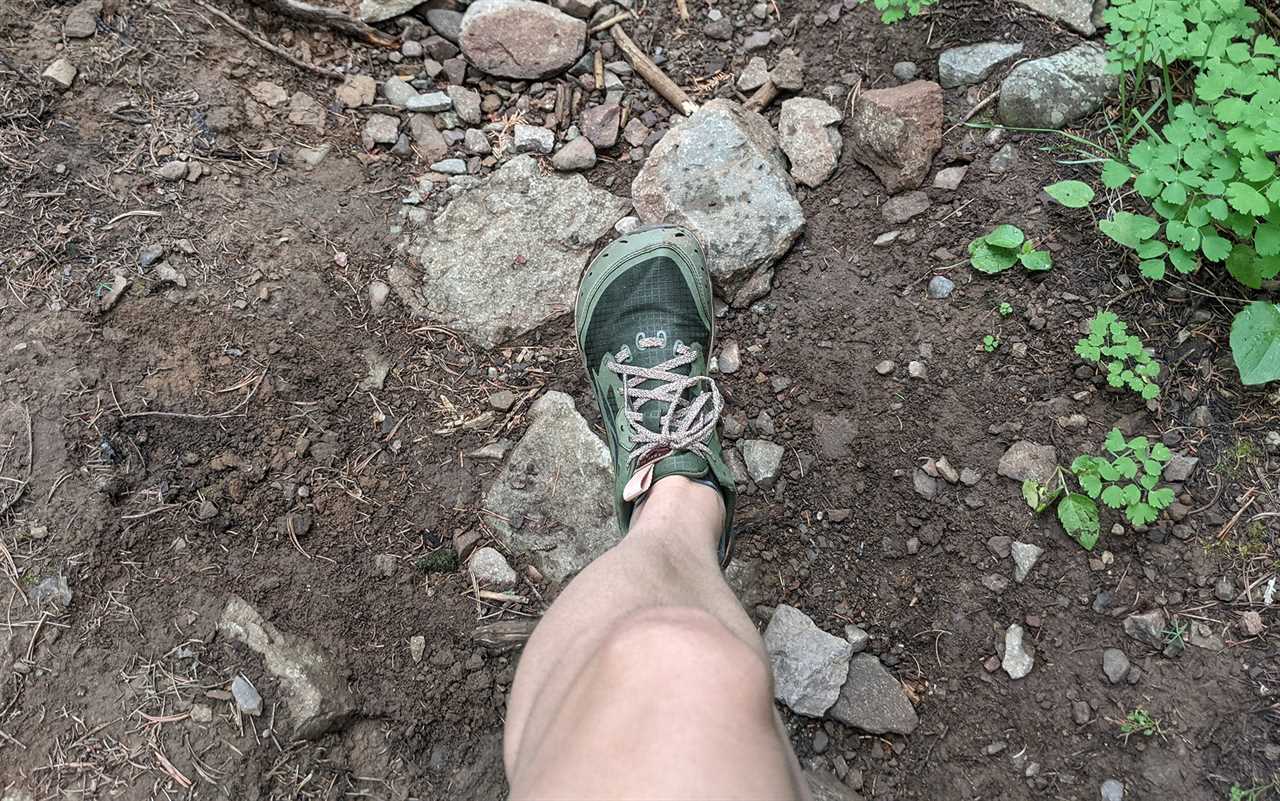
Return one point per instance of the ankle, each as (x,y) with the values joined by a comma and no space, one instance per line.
(681,504)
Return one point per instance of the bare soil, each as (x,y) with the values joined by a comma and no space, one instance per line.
(155,453)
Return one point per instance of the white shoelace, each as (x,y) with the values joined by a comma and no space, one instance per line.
(696,420)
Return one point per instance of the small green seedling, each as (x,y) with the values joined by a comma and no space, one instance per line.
(1127,479)
(1006,309)
(990,342)
(1140,721)
(1006,244)
(1072,194)
(1175,635)
(443,560)
(1255,793)
(893,10)
(1077,513)
(1128,363)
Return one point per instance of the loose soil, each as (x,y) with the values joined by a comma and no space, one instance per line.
(157,449)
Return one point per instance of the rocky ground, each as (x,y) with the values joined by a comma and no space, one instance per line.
(295,448)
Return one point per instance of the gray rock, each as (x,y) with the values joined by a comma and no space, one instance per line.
(378,10)
(600,124)
(1025,555)
(925,485)
(896,132)
(520,39)
(1180,468)
(1075,14)
(490,569)
(753,75)
(1225,589)
(246,696)
(807,135)
(1112,790)
(885,367)
(1053,91)
(314,683)
(857,637)
(82,20)
(1026,459)
(719,29)
(398,91)
(788,73)
(582,9)
(430,142)
(1003,160)
(1018,660)
(563,518)
(873,700)
(446,22)
(949,179)
(466,104)
(969,477)
(1081,712)
(304,110)
(432,103)
(417,647)
(763,460)
(809,665)
(961,66)
(756,41)
(476,143)
(534,139)
(576,155)
(172,170)
(54,590)
(906,71)
(502,258)
(450,167)
(60,74)
(1147,627)
(1115,665)
(729,359)
(917,370)
(901,208)
(940,287)
(698,175)
(380,129)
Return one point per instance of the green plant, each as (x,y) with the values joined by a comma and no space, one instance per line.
(1140,721)
(1005,309)
(1208,173)
(1072,194)
(1255,793)
(1077,513)
(1128,363)
(990,342)
(893,10)
(1175,634)
(1128,479)
(1006,244)
(443,560)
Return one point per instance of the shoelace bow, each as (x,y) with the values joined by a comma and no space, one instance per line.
(685,425)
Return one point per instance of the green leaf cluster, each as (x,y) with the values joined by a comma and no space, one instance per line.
(1005,309)
(990,342)
(893,10)
(1209,173)
(1004,246)
(1128,363)
(1128,479)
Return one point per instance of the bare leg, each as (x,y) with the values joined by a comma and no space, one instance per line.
(646,679)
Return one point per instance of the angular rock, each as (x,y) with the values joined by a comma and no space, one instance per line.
(896,131)
(1017,661)
(1147,627)
(490,569)
(450,166)
(504,257)
(1180,468)
(271,95)
(554,497)
(1115,664)
(1003,160)
(600,124)
(809,665)
(1025,555)
(901,208)
(520,39)
(788,73)
(466,103)
(873,700)
(378,10)
(430,102)
(1053,91)
(1026,459)
(246,696)
(720,174)
(763,459)
(380,129)
(428,139)
(398,91)
(60,74)
(582,9)
(940,287)
(949,178)
(576,155)
(754,75)
(1251,623)
(305,111)
(1075,14)
(82,21)
(475,142)
(961,66)
(315,684)
(446,22)
(1112,790)
(534,139)
(811,143)
(417,647)
(925,485)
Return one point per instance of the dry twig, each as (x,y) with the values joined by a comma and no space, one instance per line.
(333,75)
(653,74)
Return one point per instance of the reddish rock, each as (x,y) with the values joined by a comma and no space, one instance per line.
(896,132)
(600,124)
(521,38)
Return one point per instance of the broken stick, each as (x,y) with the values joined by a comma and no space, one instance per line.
(329,18)
(332,75)
(504,635)
(762,97)
(652,73)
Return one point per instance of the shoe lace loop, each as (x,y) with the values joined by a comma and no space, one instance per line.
(686,425)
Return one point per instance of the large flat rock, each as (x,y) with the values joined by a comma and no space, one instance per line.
(504,257)
(873,700)
(721,174)
(520,38)
(554,497)
(809,665)
(1053,91)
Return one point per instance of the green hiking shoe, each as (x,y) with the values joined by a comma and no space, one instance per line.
(646,327)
